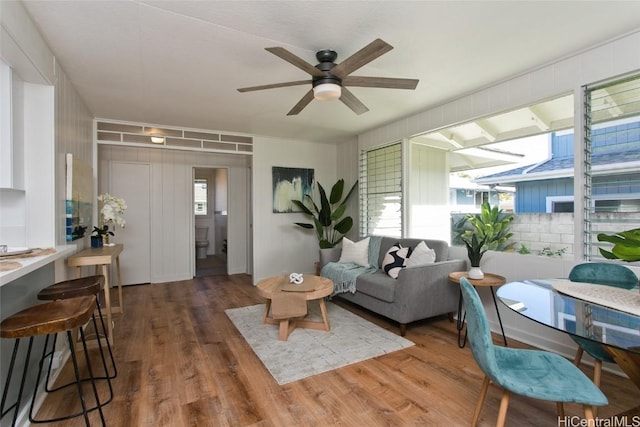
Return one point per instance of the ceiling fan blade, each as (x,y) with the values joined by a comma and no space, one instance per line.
(362,57)
(306,99)
(274,85)
(352,102)
(382,82)
(283,53)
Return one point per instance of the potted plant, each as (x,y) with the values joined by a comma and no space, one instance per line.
(329,221)
(111,212)
(626,245)
(98,236)
(475,250)
(492,225)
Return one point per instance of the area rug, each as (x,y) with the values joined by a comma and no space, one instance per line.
(310,352)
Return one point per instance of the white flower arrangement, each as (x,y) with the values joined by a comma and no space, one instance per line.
(112,209)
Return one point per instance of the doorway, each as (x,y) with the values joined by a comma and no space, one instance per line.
(210,195)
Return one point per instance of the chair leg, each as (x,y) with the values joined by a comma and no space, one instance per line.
(483,394)
(578,358)
(597,372)
(560,410)
(589,415)
(504,405)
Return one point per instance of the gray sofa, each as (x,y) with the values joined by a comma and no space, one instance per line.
(418,293)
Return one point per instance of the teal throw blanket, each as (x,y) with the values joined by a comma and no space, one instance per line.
(344,274)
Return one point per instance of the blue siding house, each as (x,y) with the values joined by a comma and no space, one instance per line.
(548,186)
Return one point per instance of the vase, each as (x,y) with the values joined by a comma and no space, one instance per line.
(475,273)
(96,241)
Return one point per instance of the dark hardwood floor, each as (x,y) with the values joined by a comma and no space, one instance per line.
(181,362)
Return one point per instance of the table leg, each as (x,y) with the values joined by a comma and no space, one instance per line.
(107,300)
(504,337)
(120,307)
(460,322)
(267,307)
(325,318)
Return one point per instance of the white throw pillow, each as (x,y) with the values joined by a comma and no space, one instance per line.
(421,255)
(356,252)
(395,260)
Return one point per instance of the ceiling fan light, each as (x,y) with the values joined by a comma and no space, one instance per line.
(327,91)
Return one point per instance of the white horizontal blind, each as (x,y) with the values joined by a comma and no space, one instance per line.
(612,149)
(381,191)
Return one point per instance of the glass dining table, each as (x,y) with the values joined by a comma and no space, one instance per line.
(619,331)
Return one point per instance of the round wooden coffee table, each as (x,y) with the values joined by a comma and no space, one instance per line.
(490,280)
(319,288)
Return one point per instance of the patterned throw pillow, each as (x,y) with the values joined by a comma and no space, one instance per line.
(395,260)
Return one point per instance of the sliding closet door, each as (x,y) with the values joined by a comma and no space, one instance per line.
(131,182)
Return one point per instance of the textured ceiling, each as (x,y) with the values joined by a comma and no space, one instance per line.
(179,63)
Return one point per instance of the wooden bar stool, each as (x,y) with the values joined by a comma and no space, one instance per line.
(84,286)
(46,319)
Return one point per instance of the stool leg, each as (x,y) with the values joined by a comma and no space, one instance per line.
(16,405)
(78,382)
(106,335)
(104,361)
(93,382)
(50,356)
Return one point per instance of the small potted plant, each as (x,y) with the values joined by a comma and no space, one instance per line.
(98,236)
(475,251)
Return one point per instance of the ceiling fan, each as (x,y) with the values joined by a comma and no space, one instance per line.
(328,79)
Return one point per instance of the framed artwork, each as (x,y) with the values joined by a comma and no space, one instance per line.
(290,184)
(79,198)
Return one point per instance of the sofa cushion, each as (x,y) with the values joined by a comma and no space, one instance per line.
(377,285)
(355,252)
(421,255)
(395,260)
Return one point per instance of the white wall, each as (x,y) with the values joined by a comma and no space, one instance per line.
(65,127)
(279,245)
(604,61)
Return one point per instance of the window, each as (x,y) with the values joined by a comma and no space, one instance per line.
(381,191)
(200,197)
(612,160)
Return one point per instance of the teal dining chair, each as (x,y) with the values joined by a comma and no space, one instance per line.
(533,373)
(599,273)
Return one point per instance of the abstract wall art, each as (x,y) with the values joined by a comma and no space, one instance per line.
(290,184)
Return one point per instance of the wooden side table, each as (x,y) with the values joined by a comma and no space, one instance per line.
(490,280)
(102,258)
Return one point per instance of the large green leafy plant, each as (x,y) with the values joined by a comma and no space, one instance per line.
(491,226)
(626,245)
(328,221)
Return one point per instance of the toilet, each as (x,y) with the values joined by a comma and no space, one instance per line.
(201,242)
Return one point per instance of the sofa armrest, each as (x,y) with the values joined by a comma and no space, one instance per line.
(430,272)
(426,289)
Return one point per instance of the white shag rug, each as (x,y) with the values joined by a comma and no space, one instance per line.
(310,352)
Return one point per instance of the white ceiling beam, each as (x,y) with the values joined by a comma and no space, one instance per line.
(489,134)
(452,139)
(539,121)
